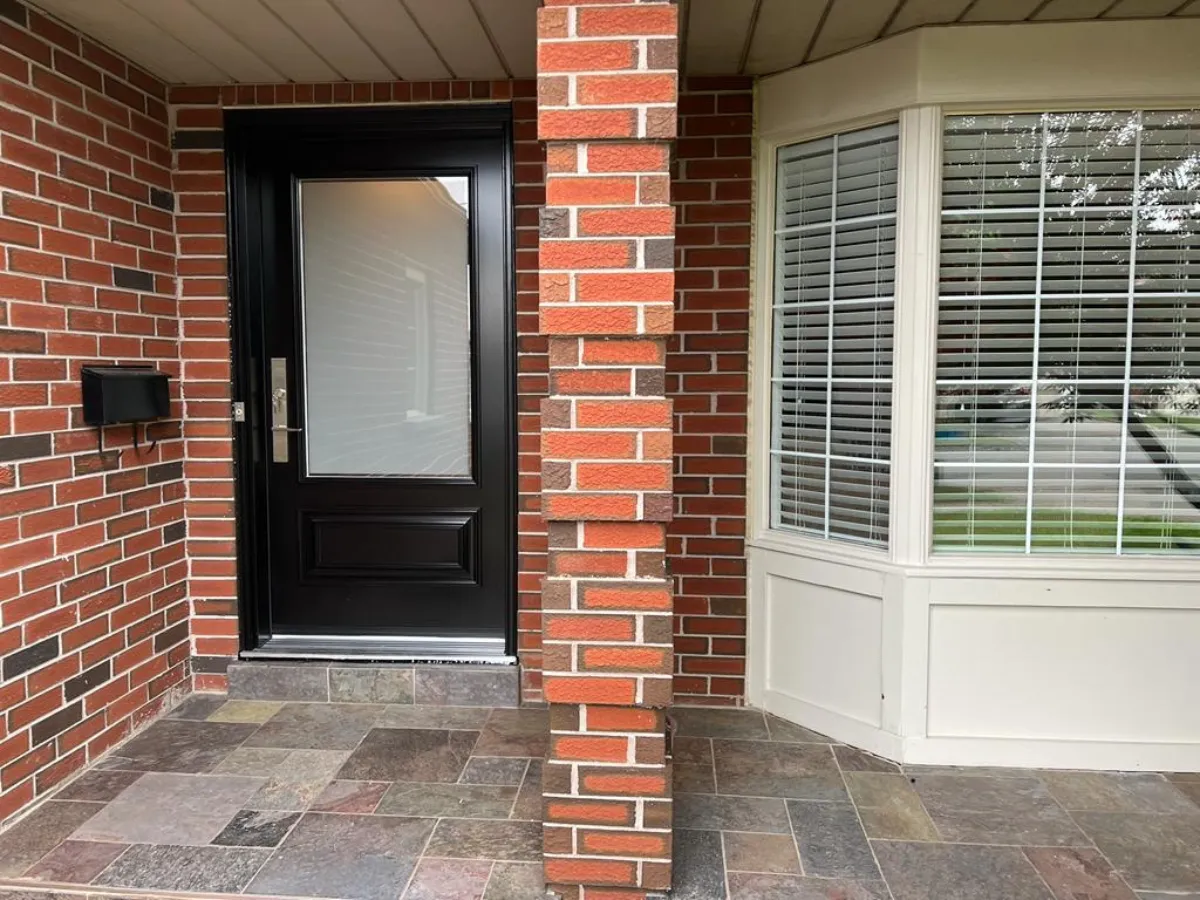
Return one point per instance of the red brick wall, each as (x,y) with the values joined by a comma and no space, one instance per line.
(204,310)
(707,378)
(93,616)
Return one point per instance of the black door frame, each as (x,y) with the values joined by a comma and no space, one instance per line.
(251,238)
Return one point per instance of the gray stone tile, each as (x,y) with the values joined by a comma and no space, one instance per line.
(693,779)
(177,745)
(257,828)
(529,799)
(197,707)
(346,856)
(704,721)
(831,842)
(516,881)
(467,686)
(1120,792)
(371,684)
(298,780)
(170,808)
(455,718)
(958,872)
(1154,895)
(1152,852)
(98,784)
(350,796)
(163,867)
(409,754)
(486,839)
(264,761)
(1078,874)
(1190,789)
(783,730)
(708,812)
(316,726)
(75,862)
(920,771)
(889,807)
(254,712)
(744,886)
(988,810)
(462,801)
(749,852)
(449,879)
(695,751)
(494,770)
(851,759)
(699,873)
(278,681)
(794,771)
(515,732)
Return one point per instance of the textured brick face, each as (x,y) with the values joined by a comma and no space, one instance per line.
(93,609)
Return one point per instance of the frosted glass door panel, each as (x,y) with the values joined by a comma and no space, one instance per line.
(386,302)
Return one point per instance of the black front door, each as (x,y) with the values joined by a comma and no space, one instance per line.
(373,304)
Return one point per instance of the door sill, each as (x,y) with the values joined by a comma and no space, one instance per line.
(397,649)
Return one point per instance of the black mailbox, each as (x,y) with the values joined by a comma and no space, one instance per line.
(124,394)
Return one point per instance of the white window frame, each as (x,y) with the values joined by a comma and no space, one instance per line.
(918,237)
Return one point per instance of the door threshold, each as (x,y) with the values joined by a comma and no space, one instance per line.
(487,651)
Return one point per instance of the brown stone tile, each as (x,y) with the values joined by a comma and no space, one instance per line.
(987,810)
(515,881)
(486,839)
(713,813)
(463,801)
(851,759)
(958,872)
(831,840)
(748,852)
(449,879)
(410,754)
(763,769)
(350,796)
(700,721)
(889,807)
(1120,792)
(98,784)
(1081,874)
(515,732)
(177,745)
(314,726)
(1152,852)
(76,862)
(744,886)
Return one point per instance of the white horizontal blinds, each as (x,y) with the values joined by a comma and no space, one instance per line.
(1068,365)
(835,252)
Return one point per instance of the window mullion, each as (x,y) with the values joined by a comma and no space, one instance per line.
(1034,383)
(829,341)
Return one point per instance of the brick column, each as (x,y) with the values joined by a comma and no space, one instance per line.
(607,92)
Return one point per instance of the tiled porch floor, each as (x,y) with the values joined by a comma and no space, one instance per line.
(442,803)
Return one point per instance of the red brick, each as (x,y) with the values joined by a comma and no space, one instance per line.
(589,56)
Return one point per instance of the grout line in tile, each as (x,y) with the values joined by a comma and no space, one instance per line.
(421,856)
(863,828)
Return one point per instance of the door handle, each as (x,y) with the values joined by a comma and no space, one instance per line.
(279,411)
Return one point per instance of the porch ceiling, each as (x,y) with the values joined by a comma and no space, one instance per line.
(210,41)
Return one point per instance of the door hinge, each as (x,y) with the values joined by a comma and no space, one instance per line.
(239,411)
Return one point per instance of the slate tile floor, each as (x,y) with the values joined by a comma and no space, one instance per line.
(375,802)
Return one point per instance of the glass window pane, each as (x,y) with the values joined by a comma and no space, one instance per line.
(386,302)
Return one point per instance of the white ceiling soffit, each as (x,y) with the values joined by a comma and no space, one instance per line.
(213,41)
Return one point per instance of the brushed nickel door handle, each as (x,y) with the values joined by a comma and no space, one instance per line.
(279,411)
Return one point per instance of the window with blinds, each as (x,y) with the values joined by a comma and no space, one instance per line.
(1068,359)
(835,257)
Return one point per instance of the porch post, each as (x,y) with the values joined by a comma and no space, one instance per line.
(607,88)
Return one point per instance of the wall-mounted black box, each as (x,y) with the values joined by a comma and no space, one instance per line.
(124,394)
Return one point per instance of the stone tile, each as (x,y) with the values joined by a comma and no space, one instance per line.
(515,732)
(744,886)
(988,810)
(1190,789)
(699,872)
(831,841)
(371,684)
(170,808)
(410,754)
(76,862)
(703,721)
(197,707)
(1152,852)
(346,856)
(298,780)
(486,839)
(163,867)
(694,779)
(1154,895)
(255,712)
(257,828)
(692,750)
(494,770)
(316,726)
(445,879)
(350,796)
(851,759)
(1078,874)
(919,771)
(516,881)
(455,718)
(790,732)
(98,784)
(958,872)
(748,852)
(461,801)
(529,799)
(1118,792)
(467,686)
(794,771)
(176,745)
(708,812)
(252,761)
(278,681)
(889,807)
